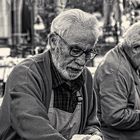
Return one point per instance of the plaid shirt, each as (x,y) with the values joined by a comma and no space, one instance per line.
(65,97)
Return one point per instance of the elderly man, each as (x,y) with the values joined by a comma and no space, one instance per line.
(117,83)
(50,96)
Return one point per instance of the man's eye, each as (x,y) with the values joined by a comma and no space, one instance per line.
(136,47)
(89,52)
(76,51)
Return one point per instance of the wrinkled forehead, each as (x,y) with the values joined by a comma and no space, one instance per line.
(80,34)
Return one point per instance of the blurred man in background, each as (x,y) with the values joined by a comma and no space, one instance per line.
(117,85)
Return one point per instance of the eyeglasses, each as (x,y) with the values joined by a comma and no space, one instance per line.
(75,51)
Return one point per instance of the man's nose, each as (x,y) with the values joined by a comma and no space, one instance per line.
(81,60)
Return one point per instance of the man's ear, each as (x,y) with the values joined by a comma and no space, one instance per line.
(52,40)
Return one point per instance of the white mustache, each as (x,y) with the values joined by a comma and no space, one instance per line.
(76,67)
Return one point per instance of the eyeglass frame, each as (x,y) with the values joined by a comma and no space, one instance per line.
(82,51)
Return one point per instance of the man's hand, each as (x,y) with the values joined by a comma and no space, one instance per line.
(81,137)
(95,137)
(86,137)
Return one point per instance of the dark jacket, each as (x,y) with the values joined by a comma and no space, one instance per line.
(23,114)
(117,86)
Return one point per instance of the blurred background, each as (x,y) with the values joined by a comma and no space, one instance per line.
(25,24)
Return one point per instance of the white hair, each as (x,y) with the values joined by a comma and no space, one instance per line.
(132,36)
(66,19)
